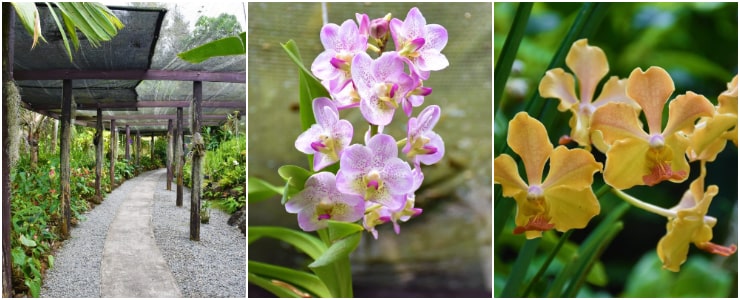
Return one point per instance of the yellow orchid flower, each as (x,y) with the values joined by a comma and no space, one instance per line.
(564,200)
(691,225)
(710,135)
(589,65)
(636,157)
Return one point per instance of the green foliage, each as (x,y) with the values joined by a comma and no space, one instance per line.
(225,174)
(233,45)
(699,278)
(92,19)
(211,28)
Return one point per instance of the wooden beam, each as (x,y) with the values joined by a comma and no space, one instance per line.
(146,103)
(153,117)
(233,77)
(64,155)
(197,161)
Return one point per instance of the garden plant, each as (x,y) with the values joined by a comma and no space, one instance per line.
(350,187)
(626,137)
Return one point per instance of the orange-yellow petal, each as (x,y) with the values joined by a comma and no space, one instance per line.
(674,246)
(528,138)
(617,121)
(573,168)
(580,132)
(558,84)
(651,89)
(728,99)
(706,141)
(571,208)
(506,173)
(626,163)
(590,66)
(614,90)
(685,109)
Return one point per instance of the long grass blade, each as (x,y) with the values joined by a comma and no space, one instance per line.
(508,53)
(519,269)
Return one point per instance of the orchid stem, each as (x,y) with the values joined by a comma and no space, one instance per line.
(655,209)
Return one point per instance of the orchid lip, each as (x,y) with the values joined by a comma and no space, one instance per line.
(337,62)
(317,146)
(430,149)
(324,217)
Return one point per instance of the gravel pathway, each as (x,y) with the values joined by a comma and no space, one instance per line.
(213,267)
(216,266)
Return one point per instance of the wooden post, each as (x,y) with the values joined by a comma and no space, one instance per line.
(128,142)
(138,147)
(64,148)
(8,41)
(170,148)
(113,148)
(151,148)
(98,140)
(198,150)
(178,157)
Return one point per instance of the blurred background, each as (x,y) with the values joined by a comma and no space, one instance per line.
(697,43)
(446,251)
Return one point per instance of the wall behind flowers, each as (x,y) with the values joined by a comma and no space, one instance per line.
(445,251)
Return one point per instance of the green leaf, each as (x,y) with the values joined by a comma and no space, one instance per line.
(259,190)
(34,285)
(333,266)
(233,45)
(307,243)
(28,14)
(339,230)
(51,261)
(299,175)
(308,282)
(280,291)
(700,278)
(508,54)
(27,242)
(519,270)
(310,87)
(19,256)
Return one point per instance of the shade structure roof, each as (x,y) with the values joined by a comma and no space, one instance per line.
(136,78)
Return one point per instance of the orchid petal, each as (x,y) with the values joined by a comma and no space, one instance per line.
(685,109)
(617,121)
(651,89)
(325,112)
(560,85)
(589,65)
(571,208)
(528,138)
(384,148)
(626,163)
(573,168)
(507,175)
(614,90)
